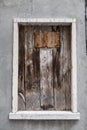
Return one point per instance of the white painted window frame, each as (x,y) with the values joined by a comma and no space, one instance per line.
(45,115)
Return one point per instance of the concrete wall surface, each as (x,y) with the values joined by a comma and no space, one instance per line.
(40,9)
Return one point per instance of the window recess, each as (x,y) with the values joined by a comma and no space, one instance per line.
(44,69)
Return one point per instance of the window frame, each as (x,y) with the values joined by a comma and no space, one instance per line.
(50,115)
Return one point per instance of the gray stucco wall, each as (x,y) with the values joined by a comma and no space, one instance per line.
(43,9)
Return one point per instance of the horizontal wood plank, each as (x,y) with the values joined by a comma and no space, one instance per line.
(46,39)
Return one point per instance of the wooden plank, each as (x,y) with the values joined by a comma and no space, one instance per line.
(53,40)
(40,39)
(21,94)
(46,39)
(46,79)
(56,79)
(62,87)
(29,36)
(59,88)
(32,76)
(67,67)
(32,81)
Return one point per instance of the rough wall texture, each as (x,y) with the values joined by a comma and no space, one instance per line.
(43,9)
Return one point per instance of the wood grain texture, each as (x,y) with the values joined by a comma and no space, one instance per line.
(29,36)
(21,94)
(40,36)
(67,73)
(32,75)
(46,39)
(45,68)
(46,79)
(62,82)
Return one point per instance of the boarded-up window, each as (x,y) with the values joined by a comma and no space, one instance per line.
(44,77)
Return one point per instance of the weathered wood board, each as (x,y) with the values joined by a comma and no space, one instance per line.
(67,67)
(32,74)
(46,79)
(62,80)
(32,81)
(44,68)
(46,39)
(21,92)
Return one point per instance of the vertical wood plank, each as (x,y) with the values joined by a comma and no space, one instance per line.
(56,79)
(67,66)
(59,88)
(67,40)
(63,87)
(46,80)
(32,76)
(21,94)
(29,36)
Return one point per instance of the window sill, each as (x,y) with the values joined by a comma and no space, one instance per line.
(44,115)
